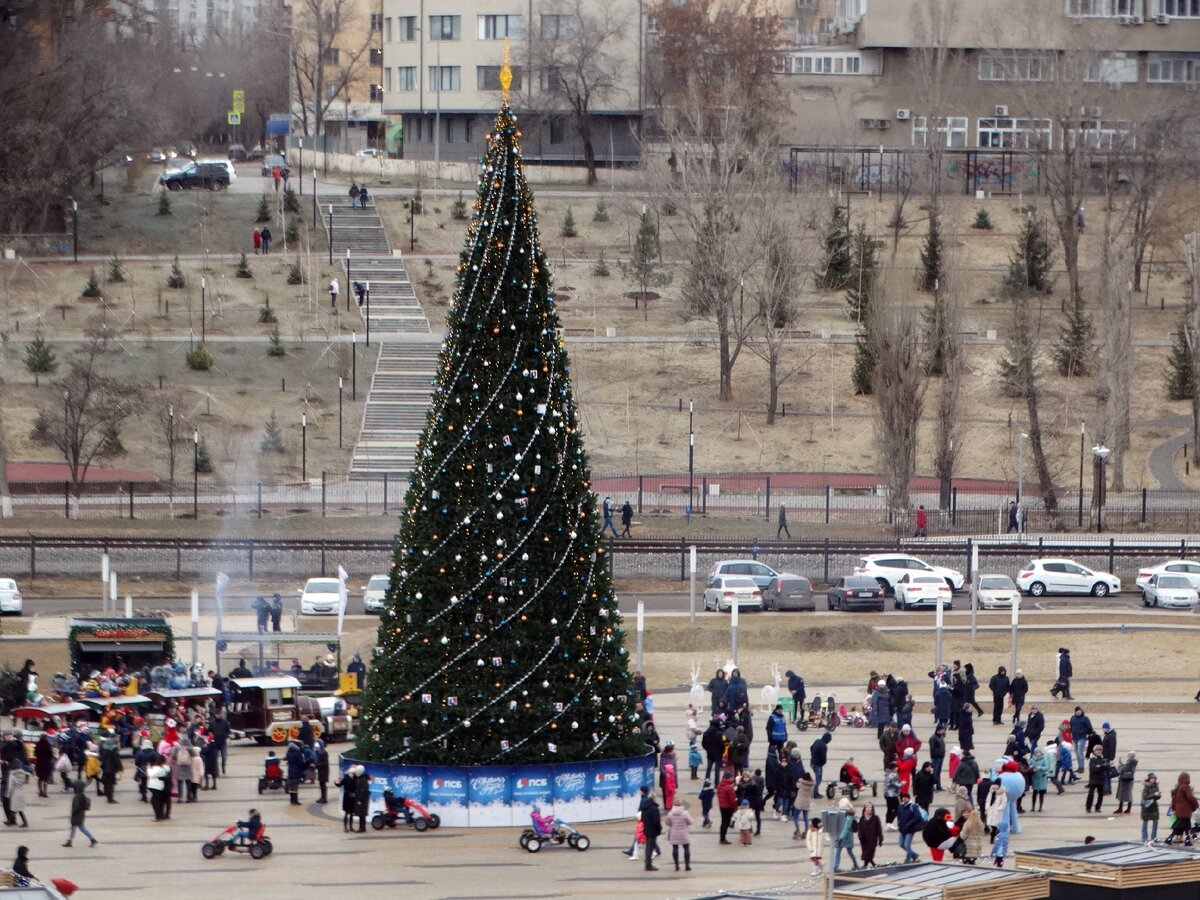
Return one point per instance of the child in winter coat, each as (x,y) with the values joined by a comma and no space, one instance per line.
(695,760)
(706,801)
(195,774)
(670,783)
(816,840)
(972,835)
(679,834)
(743,821)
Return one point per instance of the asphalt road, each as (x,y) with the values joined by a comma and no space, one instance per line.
(655,603)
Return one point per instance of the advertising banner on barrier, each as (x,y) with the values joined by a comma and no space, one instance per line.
(605,778)
(635,772)
(490,795)
(532,786)
(447,793)
(571,790)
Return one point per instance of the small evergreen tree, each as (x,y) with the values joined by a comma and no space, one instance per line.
(110,442)
(243,268)
(669,208)
(199,359)
(601,213)
(93,285)
(264,210)
(164,204)
(862,376)
(40,359)
(931,256)
(116,273)
(568,226)
(1033,256)
(266,315)
(276,347)
(291,202)
(1076,348)
(295,274)
(459,210)
(982,220)
(862,275)
(176,279)
(644,263)
(204,463)
(1179,375)
(837,252)
(272,441)
(417,206)
(291,234)
(601,268)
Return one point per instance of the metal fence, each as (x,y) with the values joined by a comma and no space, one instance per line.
(975,507)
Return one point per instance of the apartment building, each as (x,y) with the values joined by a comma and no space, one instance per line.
(859,73)
(191,23)
(441,75)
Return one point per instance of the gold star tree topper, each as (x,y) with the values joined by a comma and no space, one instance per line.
(505,75)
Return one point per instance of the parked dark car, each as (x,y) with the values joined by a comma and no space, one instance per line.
(856,592)
(211,176)
(237,152)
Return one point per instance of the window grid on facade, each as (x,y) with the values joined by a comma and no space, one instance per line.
(387,30)
(444,78)
(1016,65)
(1103,9)
(331,56)
(1173,68)
(825,64)
(376,92)
(406,78)
(376,21)
(1102,134)
(1179,9)
(487,78)
(406,28)
(556,27)
(445,28)
(376,56)
(1015,134)
(498,27)
(1112,68)
(951,129)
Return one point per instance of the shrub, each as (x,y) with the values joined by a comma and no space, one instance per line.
(111,440)
(203,461)
(1180,378)
(199,359)
(164,204)
(276,348)
(266,315)
(1029,268)
(291,234)
(40,358)
(459,209)
(601,213)
(416,206)
(93,285)
(43,428)
(601,269)
(291,202)
(116,272)
(982,220)
(568,227)
(176,278)
(243,268)
(272,441)
(295,274)
(669,208)
(264,210)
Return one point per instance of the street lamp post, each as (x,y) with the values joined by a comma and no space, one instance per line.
(354,366)
(203,309)
(303,447)
(196,474)
(314,192)
(1021,470)
(331,237)
(691,455)
(349,283)
(171,449)
(339,412)
(1081,456)
(437,121)
(75,227)
(301,165)
(368,293)
(1100,454)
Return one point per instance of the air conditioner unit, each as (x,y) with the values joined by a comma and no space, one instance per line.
(1162,19)
(883,123)
(904,114)
(867,123)
(1002,111)
(1123,20)
(1139,20)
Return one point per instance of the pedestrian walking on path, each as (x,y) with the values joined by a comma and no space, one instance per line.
(80,804)
(782,529)
(626,519)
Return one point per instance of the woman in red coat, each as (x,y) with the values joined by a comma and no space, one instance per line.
(905,767)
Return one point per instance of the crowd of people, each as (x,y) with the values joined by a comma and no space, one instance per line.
(984,801)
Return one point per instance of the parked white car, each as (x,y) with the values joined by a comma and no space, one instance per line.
(1186,567)
(10,597)
(726,591)
(373,593)
(227,163)
(914,591)
(994,592)
(1064,576)
(889,568)
(1170,591)
(319,597)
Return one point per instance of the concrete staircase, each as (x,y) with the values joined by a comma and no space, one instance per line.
(356,230)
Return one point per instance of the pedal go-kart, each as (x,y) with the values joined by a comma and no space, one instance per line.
(258,846)
(548,831)
(403,811)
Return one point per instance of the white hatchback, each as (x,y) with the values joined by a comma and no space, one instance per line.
(10,597)
(889,568)
(915,591)
(319,597)
(1065,576)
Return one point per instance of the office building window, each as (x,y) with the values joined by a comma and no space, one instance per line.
(1103,8)
(496,28)
(1015,134)
(445,28)
(1179,9)
(444,78)
(949,131)
(331,56)
(558,131)
(557,27)
(376,56)
(387,79)
(1173,68)
(406,28)
(387,30)
(449,129)
(376,92)
(406,78)
(824,63)
(1101,134)
(376,21)
(468,129)
(1016,65)
(1113,68)
(487,78)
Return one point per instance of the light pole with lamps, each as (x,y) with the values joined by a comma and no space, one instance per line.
(1100,454)
(331,237)
(75,227)
(367,291)
(196,473)
(203,309)
(691,455)
(301,165)
(1082,450)
(1021,470)
(354,366)
(349,283)
(437,120)
(303,447)
(339,412)
(171,451)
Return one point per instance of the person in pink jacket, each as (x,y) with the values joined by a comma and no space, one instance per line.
(670,784)
(679,834)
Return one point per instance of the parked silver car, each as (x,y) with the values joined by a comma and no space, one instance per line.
(780,590)
(1170,591)
(726,591)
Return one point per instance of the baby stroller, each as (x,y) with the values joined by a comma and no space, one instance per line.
(272,777)
(550,831)
(403,811)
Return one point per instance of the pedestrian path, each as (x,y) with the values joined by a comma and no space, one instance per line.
(394,414)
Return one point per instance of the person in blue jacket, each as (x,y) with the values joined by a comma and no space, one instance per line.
(777,733)
(295,771)
(911,820)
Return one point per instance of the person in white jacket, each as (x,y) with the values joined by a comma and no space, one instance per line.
(816,840)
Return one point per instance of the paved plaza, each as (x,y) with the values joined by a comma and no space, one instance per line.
(138,857)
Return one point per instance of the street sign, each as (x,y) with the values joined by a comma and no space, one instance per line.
(239,101)
(235,118)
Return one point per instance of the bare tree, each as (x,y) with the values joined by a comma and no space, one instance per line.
(171,424)
(899,392)
(94,408)
(938,67)
(579,65)
(945,341)
(329,54)
(1191,255)
(5,496)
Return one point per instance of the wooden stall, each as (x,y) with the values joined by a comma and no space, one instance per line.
(940,881)
(1121,870)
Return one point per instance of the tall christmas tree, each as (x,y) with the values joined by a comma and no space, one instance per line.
(500,641)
